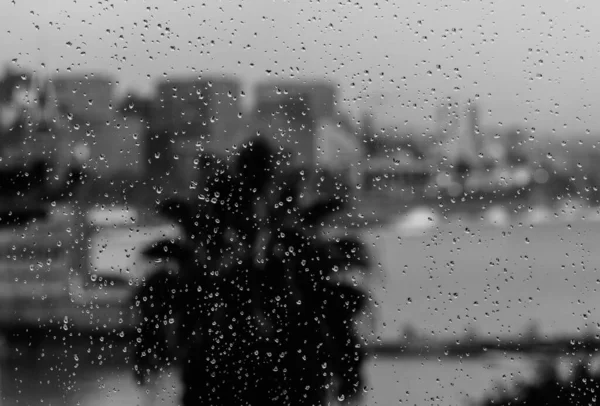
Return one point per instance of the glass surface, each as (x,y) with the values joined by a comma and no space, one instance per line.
(299,203)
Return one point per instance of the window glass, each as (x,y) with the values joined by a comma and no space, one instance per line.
(298,203)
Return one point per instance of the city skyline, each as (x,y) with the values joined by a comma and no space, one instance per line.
(532,64)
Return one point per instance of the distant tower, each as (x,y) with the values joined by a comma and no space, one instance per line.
(193,116)
(447,119)
(367,127)
(448,123)
(473,127)
(48,135)
(42,102)
(473,142)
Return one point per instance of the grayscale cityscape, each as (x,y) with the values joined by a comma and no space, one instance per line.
(299,203)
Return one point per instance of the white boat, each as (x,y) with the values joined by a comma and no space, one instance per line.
(417,221)
(498,216)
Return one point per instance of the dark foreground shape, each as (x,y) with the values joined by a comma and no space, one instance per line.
(267,307)
(25,196)
(156,304)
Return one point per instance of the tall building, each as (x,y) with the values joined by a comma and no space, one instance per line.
(87,97)
(207,108)
(461,142)
(472,129)
(319,95)
(290,128)
(192,116)
(90,103)
(38,134)
(287,112)
(447,119)
(340,152)
(10,81)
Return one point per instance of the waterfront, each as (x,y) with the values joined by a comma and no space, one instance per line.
(448,281)
(93,373)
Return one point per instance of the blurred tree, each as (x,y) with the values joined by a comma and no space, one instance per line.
(275,320)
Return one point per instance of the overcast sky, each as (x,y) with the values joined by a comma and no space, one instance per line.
(532,63)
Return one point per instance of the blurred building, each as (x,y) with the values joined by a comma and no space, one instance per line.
(340,152)
(460,141)
(368,131)
(447,119)
(288,112)
(473,129)
(32,127)
(10,81)
(399,174)
(11,111)
(289,126)
(397,163)
(319,95)
(88,97)
(191,117)
(206,109)
(389,141)
(88,101)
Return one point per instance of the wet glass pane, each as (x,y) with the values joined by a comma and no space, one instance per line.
(298,203)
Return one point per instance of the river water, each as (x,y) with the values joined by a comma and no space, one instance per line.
(444,281)
(489,281)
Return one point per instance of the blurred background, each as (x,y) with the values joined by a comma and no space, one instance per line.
(464,138)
